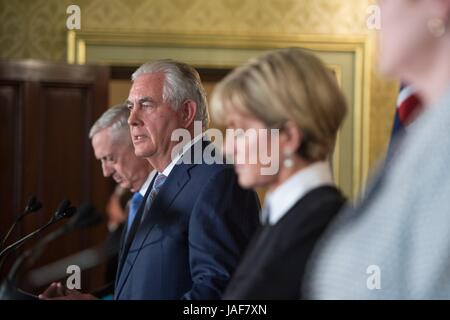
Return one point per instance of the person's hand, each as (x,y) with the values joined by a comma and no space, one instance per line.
(56,291)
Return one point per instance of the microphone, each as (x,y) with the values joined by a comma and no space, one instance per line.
(65,210)
(33,205)
(86,217)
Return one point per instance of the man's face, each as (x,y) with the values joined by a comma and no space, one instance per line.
(151,120)
(118,160)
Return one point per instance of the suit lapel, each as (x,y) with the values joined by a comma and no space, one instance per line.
(169,191)
(139,232)
(120,254)
(127,237)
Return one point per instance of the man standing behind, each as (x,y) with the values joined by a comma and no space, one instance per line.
(195,221)
(111,141)
(112,145)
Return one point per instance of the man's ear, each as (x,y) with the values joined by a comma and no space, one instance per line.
(290,137)
(187,113)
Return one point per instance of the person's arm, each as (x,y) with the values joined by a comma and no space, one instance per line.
(221,224)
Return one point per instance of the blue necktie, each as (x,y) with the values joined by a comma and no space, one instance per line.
(157,184)
(134,206)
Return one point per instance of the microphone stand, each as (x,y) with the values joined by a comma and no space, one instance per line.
(85,217)
(33,205)
(7,291)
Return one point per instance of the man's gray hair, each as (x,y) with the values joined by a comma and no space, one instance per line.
(181,82)
(115,118)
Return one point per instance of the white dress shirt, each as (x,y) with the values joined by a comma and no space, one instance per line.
(147,182)
(284,197)
(167,170)
(186,147)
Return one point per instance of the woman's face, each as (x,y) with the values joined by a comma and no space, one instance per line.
(254,150)
(404,36)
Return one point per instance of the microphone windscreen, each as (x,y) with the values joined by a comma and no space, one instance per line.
(30,204)
(36,206)
(63,206)
(33,205)
(86,216)
(69,212)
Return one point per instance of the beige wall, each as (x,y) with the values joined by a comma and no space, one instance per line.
(36,29)
(118,91)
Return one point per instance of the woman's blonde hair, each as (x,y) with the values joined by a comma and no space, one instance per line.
(288,84)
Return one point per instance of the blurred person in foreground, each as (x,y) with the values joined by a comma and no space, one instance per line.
(291,91)
(395,243)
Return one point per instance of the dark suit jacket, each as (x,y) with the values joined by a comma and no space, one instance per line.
(192,238)
(273,265)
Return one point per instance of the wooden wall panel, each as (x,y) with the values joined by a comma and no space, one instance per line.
(46,111)
(10,110)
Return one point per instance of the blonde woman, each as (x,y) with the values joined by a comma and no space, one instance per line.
(395,244)
(289,91)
